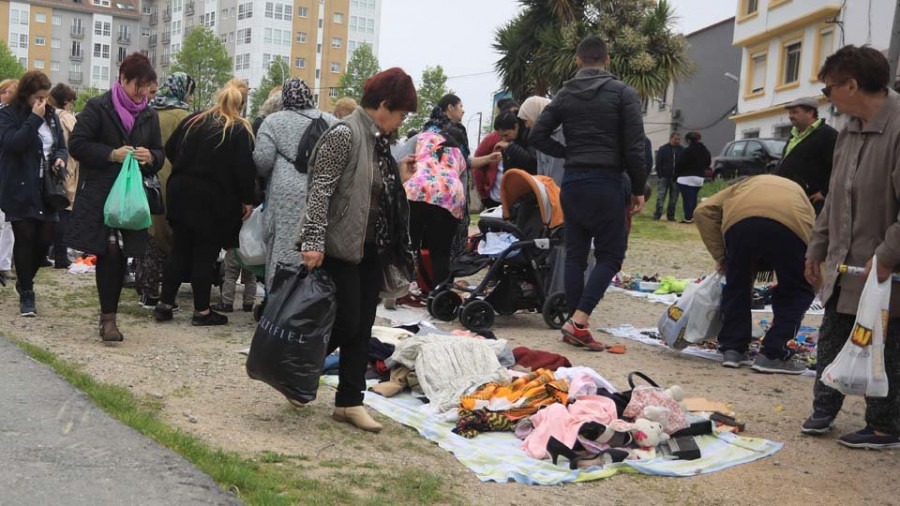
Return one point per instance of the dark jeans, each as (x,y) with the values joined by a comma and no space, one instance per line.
(110,276)
(437,227)
(882,414)
(357,298)
(60,253)
(688,200)
(668,186)
(192,256)
(747,244)
(594,205)
(30,249)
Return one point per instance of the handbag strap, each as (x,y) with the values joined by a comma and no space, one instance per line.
(641,375)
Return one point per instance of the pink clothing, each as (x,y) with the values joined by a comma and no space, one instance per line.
(563,423)
(646,396)
(437,177)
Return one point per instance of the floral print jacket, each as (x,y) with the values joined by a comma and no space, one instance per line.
(437,177)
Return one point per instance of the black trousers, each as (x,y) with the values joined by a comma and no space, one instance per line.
(749,243)
(436,226)
(357,298)
(60,253)
(193,257)
(32,240)
(110,276)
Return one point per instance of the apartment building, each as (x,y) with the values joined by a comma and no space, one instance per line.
(80,42)
(785,42)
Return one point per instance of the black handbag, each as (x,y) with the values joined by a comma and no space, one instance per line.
(153,189)
(54,188)
(623,398)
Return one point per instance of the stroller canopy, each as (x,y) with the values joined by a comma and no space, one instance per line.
(517,183)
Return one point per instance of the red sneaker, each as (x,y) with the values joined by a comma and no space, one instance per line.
(580,336)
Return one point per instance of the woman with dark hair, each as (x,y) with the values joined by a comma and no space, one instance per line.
(486,161)
(690,171)
(62,97)
(111,126)
(32,142)
(171,106)
(356,224)
(513,144)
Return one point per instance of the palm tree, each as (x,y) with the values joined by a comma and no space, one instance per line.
(537,48)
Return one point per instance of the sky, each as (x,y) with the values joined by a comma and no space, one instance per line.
(458,35)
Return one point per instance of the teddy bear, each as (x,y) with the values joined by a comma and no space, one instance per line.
(647,435)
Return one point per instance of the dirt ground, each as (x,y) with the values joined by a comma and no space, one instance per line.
(196,377)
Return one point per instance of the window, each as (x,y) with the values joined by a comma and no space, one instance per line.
(270,10)
(223,14)
(335,68)
(736,150)
(303,12)
(76,48)
(300,63)
(176,27)
(244,36)
(370,26)
(789,71)
(321,23)
(338,17)
(57,20)
(101,3)
(122,54)
(77,26)
(54,66)
(39,64)
(748,9)
(99,73)
(824,49)
(40,41)
(353,21)
(145,31)
(178,5)
(277,37)
(301,37)
(55,43)
(319,49)
(40,17)
(224,38)
(23,40)
(352,45)
(267,36)
(75,67)
(101,50)
(245,11)
(333,92)
(336,42)
(318,73)
(753,149)
(101,28)
(124,32)
(756,84)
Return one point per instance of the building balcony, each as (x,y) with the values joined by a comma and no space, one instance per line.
(154,19)
(153,40)
(189,9)
(75,77)
(164,60)
(124,39)
(167,15)
(76,55)
(77,32)
(167,36)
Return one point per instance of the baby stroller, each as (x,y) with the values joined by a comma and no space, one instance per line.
(518,271)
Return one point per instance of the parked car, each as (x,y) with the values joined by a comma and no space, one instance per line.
(748,157)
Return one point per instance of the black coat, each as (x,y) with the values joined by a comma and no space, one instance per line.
(211,179)
(602,125)
(666,158)
(97,133)
(23,155)
(694,161)
(809,163)
(519,155)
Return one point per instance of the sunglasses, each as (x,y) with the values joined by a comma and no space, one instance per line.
(827,90)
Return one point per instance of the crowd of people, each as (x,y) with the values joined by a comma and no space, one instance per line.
(359,204)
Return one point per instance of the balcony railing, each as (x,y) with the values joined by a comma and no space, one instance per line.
(124,39)
(75,77)
(76,55)
(77,32)
(189,9)
(167,36)
(167,15)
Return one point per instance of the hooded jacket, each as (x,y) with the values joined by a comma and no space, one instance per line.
(602,124)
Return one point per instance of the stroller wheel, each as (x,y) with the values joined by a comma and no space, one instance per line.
(444,305)
(477,315)
(555,311)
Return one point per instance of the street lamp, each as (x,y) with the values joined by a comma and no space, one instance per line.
(480,119)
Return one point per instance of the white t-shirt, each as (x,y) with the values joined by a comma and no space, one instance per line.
(695,181)
(495,190)
(46,139)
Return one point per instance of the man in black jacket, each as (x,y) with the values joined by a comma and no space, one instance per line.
(808,154)
(665,171)
(604,132)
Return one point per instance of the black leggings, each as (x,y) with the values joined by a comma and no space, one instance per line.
(60,253)
(110,276)
(192,256)
(437,227)
(32,240)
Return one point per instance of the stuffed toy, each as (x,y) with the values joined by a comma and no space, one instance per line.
(643,397)
(647,435)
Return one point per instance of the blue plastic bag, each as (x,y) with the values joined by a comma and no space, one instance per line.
(126,206)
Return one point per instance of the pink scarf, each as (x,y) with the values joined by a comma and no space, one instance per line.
(126,108)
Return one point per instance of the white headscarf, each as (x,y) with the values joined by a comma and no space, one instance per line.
(532,107)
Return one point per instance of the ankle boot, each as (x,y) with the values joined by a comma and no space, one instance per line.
(358,417)
(109,331)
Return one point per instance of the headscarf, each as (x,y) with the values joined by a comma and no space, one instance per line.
(177,87)
(297,96)
(531,108)
(126,108)
(454,133)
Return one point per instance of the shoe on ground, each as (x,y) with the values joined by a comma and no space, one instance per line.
(210,319)
(817,423)
(148,302)
(163,312)
(777,366)
(223,307)
(735,359)
(109,331)
(686,222)
(45,262)
(358,417)
(26,303)
(248,308)
(671,219)
(580,337)
(10,275)
(869,440)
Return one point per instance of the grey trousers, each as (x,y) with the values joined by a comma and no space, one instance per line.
(233,270)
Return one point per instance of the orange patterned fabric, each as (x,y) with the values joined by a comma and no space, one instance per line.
(523,397)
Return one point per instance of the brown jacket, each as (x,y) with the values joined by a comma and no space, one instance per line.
(860,215)
(772,197)
(67,121)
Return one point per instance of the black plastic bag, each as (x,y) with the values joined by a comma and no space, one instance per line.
(622,399)
(291,340)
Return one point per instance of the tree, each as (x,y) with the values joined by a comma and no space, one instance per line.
(277,74)
(363,64)
(204,58)
(85,95)
(430,92)
(538,46)
(9,65)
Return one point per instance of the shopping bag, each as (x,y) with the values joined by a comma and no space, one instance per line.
(126,206)
(290,343)
(859,367)
(705,318)
(252,250)
(673,322)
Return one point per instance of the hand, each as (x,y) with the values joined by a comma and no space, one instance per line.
(637,204)
(884,273)
(312,259)
(501,145)
(59,163)
(143,155)
(816,197)
(119,155)
(495,157)
(813,273)
(720,267)
(39,107)
(248,210)
(407,166)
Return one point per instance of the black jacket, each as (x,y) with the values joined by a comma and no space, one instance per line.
(809,163)
(602,124)
(666,157)
(97,133)
(519,155)
(23,155)
(694,161)
(211,179)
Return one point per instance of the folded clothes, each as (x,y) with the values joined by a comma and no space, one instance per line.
(523,397)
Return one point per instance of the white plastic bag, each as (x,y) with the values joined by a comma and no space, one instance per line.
(673,322)
(705,318)
(252,246)
(859,367)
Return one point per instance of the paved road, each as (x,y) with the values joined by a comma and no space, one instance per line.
(57,447)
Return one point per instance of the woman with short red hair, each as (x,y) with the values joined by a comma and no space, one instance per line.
(357,223)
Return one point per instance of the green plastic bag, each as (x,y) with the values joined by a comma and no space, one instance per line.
(126,206)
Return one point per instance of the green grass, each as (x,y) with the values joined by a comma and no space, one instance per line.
(645,227)
(275,479)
